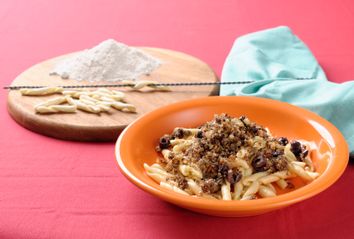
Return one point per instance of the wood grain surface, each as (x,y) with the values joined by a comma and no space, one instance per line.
(82,126)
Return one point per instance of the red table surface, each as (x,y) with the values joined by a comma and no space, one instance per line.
(58,189)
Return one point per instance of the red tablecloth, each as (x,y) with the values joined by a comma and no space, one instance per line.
(57,189)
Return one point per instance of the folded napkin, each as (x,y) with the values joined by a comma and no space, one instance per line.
(274,59)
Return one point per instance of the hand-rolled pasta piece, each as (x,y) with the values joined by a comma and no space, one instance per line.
(157,177)
(84,107)
(106,103)
(105,90)
(249,197)
(268,132)
(194,187)
(118,93)
(298,170)
(100,94)
(75,94)
(104,108)
(152,84)
(56,109)
(268,179)
(166,153)
(301,164)
(70,92)
(288,154)
(96,97)
(226,191)
(41,91)
(94,107)
(309,163)
(156,170)
(55,101)
(307,158)
(252,190)
(44,110)
(253,177)
(282,183)
(105,98)
(174,188)
(70,100)
(265,192)
(87,102)
(238,187)
(237,162)
(111,95)
(242,153)
(237,122)
(89,98)
(271,187)
(166,185)
(124,107)
(283,174)
(64,108)
(259,142)
(88,108)
(156,165)
(247,172)
(174,142)
(182,146)
(141,84)
(207,196)
(118,98)
(242,163)
(313,175)
(189,171)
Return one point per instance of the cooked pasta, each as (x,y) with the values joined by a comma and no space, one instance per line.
(229,159)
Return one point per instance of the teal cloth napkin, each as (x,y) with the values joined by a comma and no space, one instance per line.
(273,59)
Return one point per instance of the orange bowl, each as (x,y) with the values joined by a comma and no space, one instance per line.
(136,146)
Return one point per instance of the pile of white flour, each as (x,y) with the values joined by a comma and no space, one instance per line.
(108,61)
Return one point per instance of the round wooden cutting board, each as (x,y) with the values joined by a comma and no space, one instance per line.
(82,126)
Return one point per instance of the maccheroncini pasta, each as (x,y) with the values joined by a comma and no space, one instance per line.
(230,159)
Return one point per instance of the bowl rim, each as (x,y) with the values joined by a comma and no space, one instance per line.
(327,178)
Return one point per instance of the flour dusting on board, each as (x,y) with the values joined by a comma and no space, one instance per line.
(108,61)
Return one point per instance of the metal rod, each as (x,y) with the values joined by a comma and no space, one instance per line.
(131,85)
